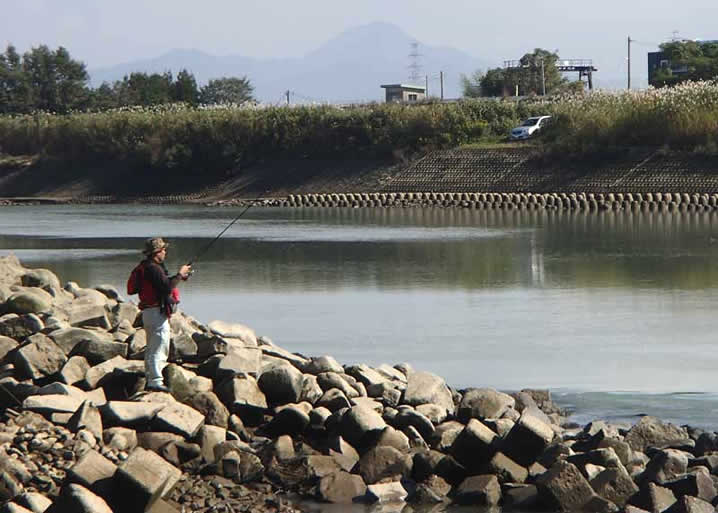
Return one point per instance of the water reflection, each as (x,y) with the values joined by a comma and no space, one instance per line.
(608,301)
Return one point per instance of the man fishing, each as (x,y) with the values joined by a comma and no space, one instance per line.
(158,300)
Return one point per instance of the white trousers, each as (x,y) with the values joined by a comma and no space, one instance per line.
(157,328)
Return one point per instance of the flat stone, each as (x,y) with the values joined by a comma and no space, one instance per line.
(68,338)
(243,396)
(178,418)
(366,375)
(96,352)
(129,414)
(84,316)
(243,360)
(6,345)
(97,375)
(52,403)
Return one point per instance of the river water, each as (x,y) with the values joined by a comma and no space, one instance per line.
(614,312)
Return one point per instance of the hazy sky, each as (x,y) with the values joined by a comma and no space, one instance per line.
(103,33)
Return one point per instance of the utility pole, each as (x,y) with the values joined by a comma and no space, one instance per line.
(543,80)
(441,79)
(629,62)
(287,93)
(426,86)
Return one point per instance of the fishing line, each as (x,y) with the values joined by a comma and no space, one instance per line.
(211,243)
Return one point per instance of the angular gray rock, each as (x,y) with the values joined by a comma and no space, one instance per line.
(484,403)
(653,498)
(78,499)
(178,418)
(68,338)
(563,487)
(19,327)
(483,490)
(129,414)
(319,364)
(615,485)
(85,316)
(475,445)
(39,357)
(142,479)
(527,439)
(425,387)
(651,432)
(382,462)
(382,493)
(341,488)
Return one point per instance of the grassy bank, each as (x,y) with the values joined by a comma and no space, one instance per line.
(217,139)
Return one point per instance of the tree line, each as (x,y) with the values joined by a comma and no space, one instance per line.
(685,61)
(535,74)
(52,81)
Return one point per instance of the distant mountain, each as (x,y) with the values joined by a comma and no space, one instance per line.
(347,68)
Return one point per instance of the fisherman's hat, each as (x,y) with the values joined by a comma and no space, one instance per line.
(154,245)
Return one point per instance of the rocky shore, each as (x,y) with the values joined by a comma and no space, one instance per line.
(249,426)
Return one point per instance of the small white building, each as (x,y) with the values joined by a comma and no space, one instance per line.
(404,93)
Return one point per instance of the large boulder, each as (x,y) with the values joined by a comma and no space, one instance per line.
(483,490)
(359,424)
(43,279)
(425,387)
(527,439)
(484,403)
(282,384)
(382,462)
(142,479)
(564,488)
(341,488)
(6,345)
(39,357)
(651,432)
(475,445)
(19,327)
(234,330)
(29,301)
(243,396)
(68,338)
(78,499)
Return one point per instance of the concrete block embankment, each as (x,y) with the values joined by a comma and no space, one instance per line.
(581,201)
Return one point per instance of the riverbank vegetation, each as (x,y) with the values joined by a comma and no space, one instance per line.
(222,138)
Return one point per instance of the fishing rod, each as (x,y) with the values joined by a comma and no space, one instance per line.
(211,243)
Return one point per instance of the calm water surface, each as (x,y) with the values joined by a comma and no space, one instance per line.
(613,312)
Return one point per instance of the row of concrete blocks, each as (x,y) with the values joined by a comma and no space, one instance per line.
(566,201)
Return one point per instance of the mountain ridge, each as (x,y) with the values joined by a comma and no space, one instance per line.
(349,67)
